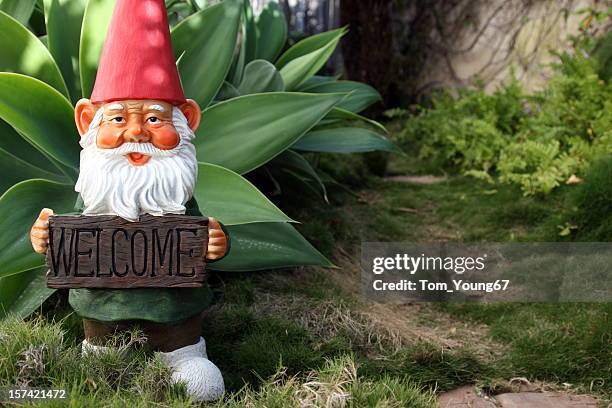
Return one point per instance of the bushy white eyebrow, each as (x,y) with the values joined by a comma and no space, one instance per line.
(115,106)
(157,108)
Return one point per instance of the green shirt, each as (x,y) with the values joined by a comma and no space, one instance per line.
(160,305)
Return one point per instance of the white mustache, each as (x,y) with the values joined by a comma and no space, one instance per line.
(142,148)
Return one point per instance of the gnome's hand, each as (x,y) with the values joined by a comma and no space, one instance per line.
(217,241)
(39,234)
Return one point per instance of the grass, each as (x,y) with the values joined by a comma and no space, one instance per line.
(272,351)
(559,343)
(303,337)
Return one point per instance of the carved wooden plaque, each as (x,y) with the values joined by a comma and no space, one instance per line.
(109,252)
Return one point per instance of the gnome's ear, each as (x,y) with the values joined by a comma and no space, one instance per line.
(192,112)
(84,112)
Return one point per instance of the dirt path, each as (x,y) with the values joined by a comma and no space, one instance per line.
(409,323)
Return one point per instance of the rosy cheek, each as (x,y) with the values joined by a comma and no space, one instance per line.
(108,138)
(165,138)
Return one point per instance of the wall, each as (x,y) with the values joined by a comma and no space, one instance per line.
(488,41)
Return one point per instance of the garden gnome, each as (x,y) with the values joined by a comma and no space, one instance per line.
(138,158)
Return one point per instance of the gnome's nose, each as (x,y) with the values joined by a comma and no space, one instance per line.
(135,134)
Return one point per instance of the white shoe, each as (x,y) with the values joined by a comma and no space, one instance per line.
(190,365)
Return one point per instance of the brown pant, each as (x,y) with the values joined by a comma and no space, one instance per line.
(160,337)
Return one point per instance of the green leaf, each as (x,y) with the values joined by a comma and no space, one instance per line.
(308,45)
(21,10)
(316,80)
(227,91)
(14,170)
(96,20)
(234,76)
(22,52)
(338,114)
(250,39)
(271,31)
(22,294)
(19,207)
(232,199)
(296,165)
(260,76)
(206,41)
(42,115)
(243,133)
(344,140)
(360,95)
(300,69)
(267,246)
(16,145)
(63,19)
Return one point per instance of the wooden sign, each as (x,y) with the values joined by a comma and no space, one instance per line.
(110,252)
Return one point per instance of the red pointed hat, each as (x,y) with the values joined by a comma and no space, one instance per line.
(137,61)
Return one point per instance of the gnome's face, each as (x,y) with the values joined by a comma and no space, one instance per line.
(137,156)
(137,122)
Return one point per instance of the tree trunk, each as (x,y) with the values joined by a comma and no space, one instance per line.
(368,47)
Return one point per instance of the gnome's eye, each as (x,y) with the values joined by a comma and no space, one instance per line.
(117,119)
(153,119)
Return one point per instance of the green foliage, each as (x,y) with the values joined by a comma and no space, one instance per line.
(591,202)
(534,141)
(468,130)
(249,119)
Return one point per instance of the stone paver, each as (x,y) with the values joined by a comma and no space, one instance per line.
(464,397)
(545,400)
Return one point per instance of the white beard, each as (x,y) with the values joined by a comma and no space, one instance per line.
(110,185)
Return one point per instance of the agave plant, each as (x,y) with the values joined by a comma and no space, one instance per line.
(261,106)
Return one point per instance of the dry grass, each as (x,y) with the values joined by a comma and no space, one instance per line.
(413,322)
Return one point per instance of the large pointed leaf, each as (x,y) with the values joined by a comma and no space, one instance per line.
(227,91)
(14,170)
(19,207)
(266,246)
(271,31)
(206,42)
(360,95)
(316,80)
(243,133)
(296,165)
(234,76)
(41,114)
(300,69)
(63,19)
(23,53)
(308,45)
(344,140)
(14,144)
(250,39)
(338,114)
(232,199)
(260,76)
(21,10)
(96,20)
(22,294)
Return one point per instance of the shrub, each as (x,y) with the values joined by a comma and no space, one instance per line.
(466,131)
(591,203)
(535,141)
